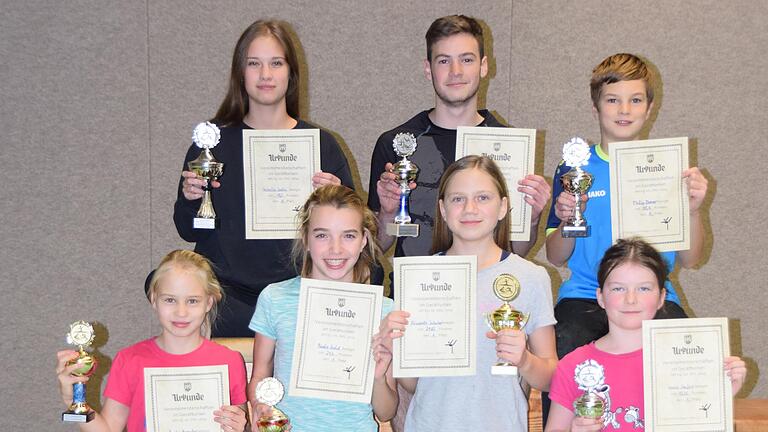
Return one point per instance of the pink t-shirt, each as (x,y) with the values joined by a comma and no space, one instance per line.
(125,383)
(618,378)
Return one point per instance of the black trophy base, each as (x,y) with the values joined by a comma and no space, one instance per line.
(575,231)
(403,230)
(204,223)
(71,417)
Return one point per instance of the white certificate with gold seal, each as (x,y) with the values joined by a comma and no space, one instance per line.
(514,151)
(440,293)
(685,385)
(184,398)
(278,166)
(649,198)
(332,356)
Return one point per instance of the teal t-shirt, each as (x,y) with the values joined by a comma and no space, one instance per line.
(275,317)
(589,251)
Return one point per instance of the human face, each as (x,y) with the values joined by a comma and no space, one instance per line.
(335,239)
(266,72)
(622,110)
(630,295)
(181,303)
(456,69)
(472,206)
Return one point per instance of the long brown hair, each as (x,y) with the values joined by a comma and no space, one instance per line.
(634,250)
(442,238)
(337,196)
(234,107)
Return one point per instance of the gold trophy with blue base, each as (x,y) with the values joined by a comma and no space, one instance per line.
(80,334)
(206,135)
(406,172)
(577,182)
(269,391)
(507,288)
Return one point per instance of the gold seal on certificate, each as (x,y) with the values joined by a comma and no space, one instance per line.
(81,335)
(406,171)
(269,391)
(206,135)
(507,288)
(577,182)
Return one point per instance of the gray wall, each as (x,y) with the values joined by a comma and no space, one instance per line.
(99,100)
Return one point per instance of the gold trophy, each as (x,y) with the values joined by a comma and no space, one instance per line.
(269,391)
(406,171)
(80,334)
(507,288)
(206,135)
(577,182)
(590,377)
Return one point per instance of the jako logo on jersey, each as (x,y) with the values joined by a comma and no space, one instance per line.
(596,193)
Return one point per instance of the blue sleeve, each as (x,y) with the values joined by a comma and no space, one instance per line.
(553,221)
(261,322)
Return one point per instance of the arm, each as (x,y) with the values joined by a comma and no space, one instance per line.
(697,191)
(537,193)
(736,370)
(559,248)
(562,419)
(188,199)
(263,366)
(385,398)
(114,415)
(333,164)
(392,327)
(536,360)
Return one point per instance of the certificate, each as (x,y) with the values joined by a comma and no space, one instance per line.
(332,351)
(441,337)
(649,198)
(277,172)
(184,398)
(685,385)
(514,151)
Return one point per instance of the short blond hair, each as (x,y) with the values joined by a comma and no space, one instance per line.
(200,267)
(620,67)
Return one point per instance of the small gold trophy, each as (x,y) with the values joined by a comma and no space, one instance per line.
(80,334)
(590,377)
(206,135)
(507,288)
(406,171)
(577,182)
(269,391)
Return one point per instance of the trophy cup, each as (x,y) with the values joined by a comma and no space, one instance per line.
(80,334)
(577,182)
(269,391)
(589,405)
(507,288)
(206,135)
(406,171)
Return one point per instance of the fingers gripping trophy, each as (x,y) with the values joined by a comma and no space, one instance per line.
(577,182)
(80,334)
(507,288)
(206,135)
(269,391)
(406,171)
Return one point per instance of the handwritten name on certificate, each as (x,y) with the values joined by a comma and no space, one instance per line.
(277,173)
(685,385)
(332,356)
(649,198)
(184,398)
(440,294)
(514,151)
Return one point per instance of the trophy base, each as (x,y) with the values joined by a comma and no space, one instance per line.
(204,223)
(503,369)
(403,230)
(575,231)
(71,417)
